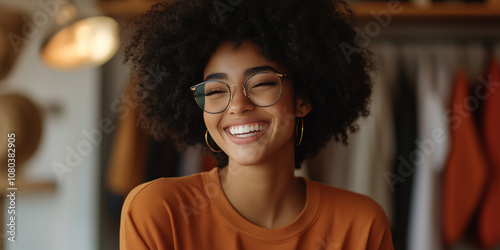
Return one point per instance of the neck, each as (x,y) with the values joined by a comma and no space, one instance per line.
(267,194)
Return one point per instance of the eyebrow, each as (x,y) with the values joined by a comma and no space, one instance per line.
(246,73)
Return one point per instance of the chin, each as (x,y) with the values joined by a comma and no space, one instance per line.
(246,157)
(244,161)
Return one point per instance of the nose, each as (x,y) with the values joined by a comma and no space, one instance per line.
(239,101)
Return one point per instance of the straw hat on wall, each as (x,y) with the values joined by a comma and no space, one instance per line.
(21,116)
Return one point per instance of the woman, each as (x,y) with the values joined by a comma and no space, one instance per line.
(272,84)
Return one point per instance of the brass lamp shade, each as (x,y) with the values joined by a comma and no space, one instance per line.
(88,42)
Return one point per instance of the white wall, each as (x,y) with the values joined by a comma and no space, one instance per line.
(66,218)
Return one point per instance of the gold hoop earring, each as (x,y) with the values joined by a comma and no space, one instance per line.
(301,130)
(206,140)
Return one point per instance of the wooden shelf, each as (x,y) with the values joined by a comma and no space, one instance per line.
(434,10)
(24,186)
(490,9)
(124,9)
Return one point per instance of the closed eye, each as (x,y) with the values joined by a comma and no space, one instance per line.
(214,92)
(261,84)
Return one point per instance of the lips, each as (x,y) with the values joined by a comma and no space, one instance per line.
(247,130)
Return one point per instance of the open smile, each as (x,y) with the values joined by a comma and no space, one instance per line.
(247,130)
(244,133)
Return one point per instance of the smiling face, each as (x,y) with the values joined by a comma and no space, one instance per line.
(249,134)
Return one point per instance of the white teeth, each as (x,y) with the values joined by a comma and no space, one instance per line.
(245,130)
(246,135)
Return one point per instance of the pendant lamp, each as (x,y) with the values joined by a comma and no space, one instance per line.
(80,42)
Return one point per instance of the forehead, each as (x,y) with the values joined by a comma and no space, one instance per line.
(233,62)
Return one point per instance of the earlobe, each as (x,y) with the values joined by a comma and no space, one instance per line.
(303,107)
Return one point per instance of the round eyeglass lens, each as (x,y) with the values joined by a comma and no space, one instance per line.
(212,96)
(263,89)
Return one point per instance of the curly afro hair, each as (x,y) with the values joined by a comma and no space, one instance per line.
(169,46)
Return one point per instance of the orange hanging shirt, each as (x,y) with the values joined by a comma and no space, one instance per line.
(193,213)
(466,164)
(489,216)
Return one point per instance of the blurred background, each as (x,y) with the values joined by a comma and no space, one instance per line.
(428,153)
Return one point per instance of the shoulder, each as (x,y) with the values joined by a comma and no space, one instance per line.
(151,210)
(163,191)
(358,216)
(350,204)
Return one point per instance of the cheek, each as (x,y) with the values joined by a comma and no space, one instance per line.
(284,109)
(284,117)
(284,112)
(208,119)
(211,121)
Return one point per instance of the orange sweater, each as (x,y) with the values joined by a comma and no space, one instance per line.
(193,213)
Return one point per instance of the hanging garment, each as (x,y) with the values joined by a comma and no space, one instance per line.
(405,124)
(465,173)
(191,160)
(361,166)
(431,153)
(489,217)
(208,162)
(127,162)
(162,161)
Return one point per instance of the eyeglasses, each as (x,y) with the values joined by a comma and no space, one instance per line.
(262,89)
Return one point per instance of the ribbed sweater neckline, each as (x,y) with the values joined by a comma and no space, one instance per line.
(237,222)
